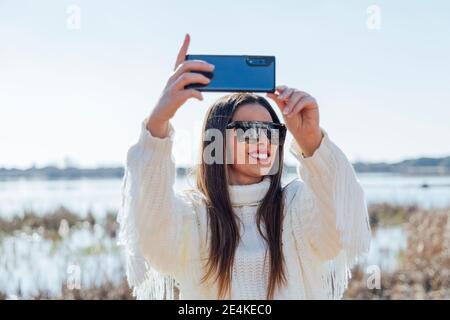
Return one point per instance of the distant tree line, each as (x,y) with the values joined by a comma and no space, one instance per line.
(52,172)
(439,166)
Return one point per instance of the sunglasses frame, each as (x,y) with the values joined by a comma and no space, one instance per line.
(268,125)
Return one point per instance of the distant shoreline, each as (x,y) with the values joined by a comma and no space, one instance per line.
(411,167)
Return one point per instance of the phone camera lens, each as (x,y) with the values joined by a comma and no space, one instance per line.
(257,61)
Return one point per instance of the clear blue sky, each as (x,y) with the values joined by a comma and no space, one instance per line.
(81,94)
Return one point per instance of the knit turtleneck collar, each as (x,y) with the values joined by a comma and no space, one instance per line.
(248,194)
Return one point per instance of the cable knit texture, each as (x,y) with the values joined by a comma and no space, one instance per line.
(163,231)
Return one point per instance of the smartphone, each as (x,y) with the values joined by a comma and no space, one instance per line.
(237,73)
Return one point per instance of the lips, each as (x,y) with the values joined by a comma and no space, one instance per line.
(261,157)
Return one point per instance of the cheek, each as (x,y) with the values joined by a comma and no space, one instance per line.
(238,152)
(273,151)
(273,167)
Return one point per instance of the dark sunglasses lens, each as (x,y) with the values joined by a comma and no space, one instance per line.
(252,134)
(249,135)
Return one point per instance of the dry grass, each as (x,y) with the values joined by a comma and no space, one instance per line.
(48,224)
(424,271)
(107,291)
(386,215)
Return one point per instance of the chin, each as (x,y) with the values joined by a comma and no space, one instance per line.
(266,171)
(254,171)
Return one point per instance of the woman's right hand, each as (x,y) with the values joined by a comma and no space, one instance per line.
(174,95)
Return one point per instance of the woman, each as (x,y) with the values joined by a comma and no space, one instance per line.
(239,234)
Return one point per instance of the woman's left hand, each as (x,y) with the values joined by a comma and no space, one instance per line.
(301,115)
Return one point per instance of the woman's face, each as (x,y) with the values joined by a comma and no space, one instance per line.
(251,161)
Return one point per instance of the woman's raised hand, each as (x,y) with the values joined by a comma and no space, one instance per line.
(174,95)
(301,114)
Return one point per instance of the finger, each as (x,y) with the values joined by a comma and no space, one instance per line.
(190,93)
(272,96)
(278,102)
(183,51)
(190,77)
(191,65)
(278,90)
(303,103)
(286,94)
(294,99)
(281,88)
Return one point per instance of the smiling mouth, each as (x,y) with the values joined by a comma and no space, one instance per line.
(261,157)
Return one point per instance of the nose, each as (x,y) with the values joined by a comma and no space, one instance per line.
(263,141)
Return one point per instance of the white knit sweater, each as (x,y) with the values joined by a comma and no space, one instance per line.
(163,231)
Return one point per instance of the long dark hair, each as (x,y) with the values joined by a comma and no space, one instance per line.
(212,181)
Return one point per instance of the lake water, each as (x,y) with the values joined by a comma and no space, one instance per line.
(99,196)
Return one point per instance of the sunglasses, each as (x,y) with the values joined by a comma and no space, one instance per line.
(250,131)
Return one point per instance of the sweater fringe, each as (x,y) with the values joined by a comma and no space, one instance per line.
(146,283)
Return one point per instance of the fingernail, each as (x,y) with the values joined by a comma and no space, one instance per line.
(286,111)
